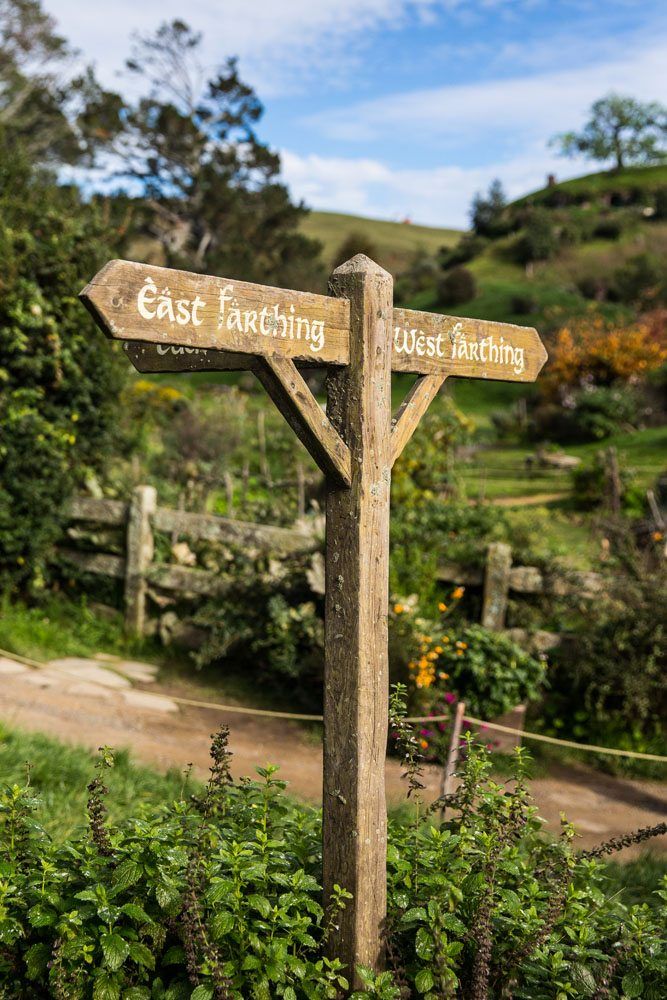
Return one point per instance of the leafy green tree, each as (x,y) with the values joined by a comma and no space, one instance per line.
(621,129)
(486,211)
(355,242)
(58,115)
(60,380)
(212,189)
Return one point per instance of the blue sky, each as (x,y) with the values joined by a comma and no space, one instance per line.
(395,108)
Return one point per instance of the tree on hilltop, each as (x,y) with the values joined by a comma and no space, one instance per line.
(621,129)
(487,210)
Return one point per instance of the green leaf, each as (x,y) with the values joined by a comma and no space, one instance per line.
(127,873)
(136,912)
(137,993)
(106,987)
(261,904)
(424,944)
(633,985)
(37,959)
(142,955)
(202,992)
(424,981)
(115,949)
(415,913)
(221,924)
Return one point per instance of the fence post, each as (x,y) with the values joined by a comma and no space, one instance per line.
(496,585)
(139,556)
(451,763)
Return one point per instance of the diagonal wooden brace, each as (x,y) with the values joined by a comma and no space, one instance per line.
(303,413)
(412,409)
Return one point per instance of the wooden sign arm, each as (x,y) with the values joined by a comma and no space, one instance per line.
(412,409)
(288,390)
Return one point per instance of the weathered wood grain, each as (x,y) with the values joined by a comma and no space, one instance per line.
(356,658)
(94,562)
(412,409)
(168,307)
(470,348)
(212,528)
(100,510)
(197,322)
(496,585)
(139,556)
(186,580)
(156,358)
(303,413)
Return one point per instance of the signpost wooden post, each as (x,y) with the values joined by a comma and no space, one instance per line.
(177,321)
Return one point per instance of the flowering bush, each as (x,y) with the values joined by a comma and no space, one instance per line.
(465,662)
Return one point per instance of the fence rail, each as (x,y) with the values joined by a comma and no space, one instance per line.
(141,518)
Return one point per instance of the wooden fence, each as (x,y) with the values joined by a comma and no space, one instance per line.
(140,518)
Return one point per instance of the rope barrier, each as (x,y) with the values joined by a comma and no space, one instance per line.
(302,717)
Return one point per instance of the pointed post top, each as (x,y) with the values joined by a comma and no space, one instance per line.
(360,264)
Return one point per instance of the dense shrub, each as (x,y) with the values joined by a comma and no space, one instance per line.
(591,414)
(592,352)
(355,242)
(469,246)
(456,287)
(218,896)
(642,280)
(60,379)
(608,229)
(661,203)
(591,487)
(539,240)
(611,684)
(447,662)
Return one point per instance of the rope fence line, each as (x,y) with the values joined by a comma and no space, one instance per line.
(304,717)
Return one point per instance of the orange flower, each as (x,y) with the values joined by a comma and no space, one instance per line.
(443,676)
(438,650)
(657,536)
(398,609)
(458,593)
(423,744)
(442,607)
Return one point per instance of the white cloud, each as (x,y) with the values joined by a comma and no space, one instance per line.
(438,196)
(282,44)
(525,106)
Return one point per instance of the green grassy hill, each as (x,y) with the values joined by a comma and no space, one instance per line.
(396,242)
(642,179)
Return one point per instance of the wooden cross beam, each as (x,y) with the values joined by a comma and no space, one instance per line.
(177,321)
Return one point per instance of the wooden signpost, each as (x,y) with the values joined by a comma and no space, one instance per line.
(177,321)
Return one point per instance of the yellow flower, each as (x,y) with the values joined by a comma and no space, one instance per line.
(438,650)
(442,607)
(459,652)
(443,676)
(461,645)
(398,609)
(458,593)
(445,639)
(657,536)
(432,655)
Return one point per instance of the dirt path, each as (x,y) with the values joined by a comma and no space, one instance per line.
(93,705)
(529,500)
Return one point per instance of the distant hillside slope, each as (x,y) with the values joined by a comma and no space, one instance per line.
(396,242)
(597,245)
(632,179)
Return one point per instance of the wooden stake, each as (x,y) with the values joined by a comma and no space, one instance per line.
(496,585)
(301,490)
(356,659)
(449,769)
(139,556)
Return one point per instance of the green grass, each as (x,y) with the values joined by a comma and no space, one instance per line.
(396,242)
(60,773)
(66,627)
(645,178)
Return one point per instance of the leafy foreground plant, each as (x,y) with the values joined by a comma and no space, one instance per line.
(218,896)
